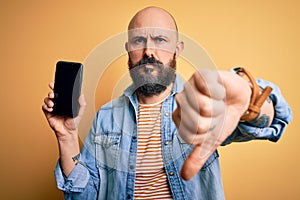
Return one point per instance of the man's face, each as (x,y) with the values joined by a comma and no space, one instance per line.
(157,42)
(152,59)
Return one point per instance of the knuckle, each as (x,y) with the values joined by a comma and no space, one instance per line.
(50,94)
(202,127)
(190,85)
(49,102)
(189,138)
(196,139)
(206,107)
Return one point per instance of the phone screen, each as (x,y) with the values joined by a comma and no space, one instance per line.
(67,88)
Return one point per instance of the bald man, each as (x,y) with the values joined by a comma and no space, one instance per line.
(159,139)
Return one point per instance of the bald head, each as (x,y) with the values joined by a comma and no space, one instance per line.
(153,17)
(152,32)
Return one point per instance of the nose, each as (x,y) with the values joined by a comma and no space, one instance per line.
(150,49)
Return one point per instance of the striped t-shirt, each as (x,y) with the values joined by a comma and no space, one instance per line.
(151,180)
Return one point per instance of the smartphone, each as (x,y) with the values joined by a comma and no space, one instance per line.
(67,88)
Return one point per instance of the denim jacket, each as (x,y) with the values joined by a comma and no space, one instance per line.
(106,169)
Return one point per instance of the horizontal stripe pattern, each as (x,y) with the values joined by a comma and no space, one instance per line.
(151,180)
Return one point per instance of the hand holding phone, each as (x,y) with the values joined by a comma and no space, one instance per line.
(67,88)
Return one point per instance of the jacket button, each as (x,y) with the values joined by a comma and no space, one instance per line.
(166,114)
(171,173)
(166,142)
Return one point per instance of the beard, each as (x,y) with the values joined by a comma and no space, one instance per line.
(150,81)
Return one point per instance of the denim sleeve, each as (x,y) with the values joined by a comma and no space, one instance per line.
(83,182)
(282,117)
(76,181)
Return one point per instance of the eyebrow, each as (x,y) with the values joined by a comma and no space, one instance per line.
(151,36)
(162,36)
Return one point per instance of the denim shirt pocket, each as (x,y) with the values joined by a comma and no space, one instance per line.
(107,150)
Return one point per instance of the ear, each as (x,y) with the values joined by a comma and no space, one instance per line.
(126,47)
(179,48)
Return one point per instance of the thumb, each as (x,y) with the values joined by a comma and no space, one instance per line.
(82,104)
(194,162)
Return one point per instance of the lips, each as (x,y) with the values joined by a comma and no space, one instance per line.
(149,68)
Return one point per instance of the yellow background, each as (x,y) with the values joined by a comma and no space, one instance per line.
(263,35)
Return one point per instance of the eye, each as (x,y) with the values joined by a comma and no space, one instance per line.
(139,40)
(160,39)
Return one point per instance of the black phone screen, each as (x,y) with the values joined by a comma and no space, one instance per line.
(67,88)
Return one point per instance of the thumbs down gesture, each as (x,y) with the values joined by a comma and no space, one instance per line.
(209,109)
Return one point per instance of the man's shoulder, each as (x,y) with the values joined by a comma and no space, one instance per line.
(115,103)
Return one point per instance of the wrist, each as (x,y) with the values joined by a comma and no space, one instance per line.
(68,147)
(69,152)
(67,144)
(68,137)
(257,98)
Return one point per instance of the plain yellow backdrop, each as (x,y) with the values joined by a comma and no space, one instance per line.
(262,35)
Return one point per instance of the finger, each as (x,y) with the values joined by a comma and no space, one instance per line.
(211,107)
(191,117)
(49,103)
(185,117)
(51,95)
(205,149)
(216,90)
(202,152)
(203,132)
(209,83)
(204,105)
(189,122)
(51,85)
(45,108)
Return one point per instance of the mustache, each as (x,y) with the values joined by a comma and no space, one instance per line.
(147,60)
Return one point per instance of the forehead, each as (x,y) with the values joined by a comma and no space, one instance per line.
(152,31)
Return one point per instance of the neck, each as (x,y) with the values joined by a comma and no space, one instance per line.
(155,98)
